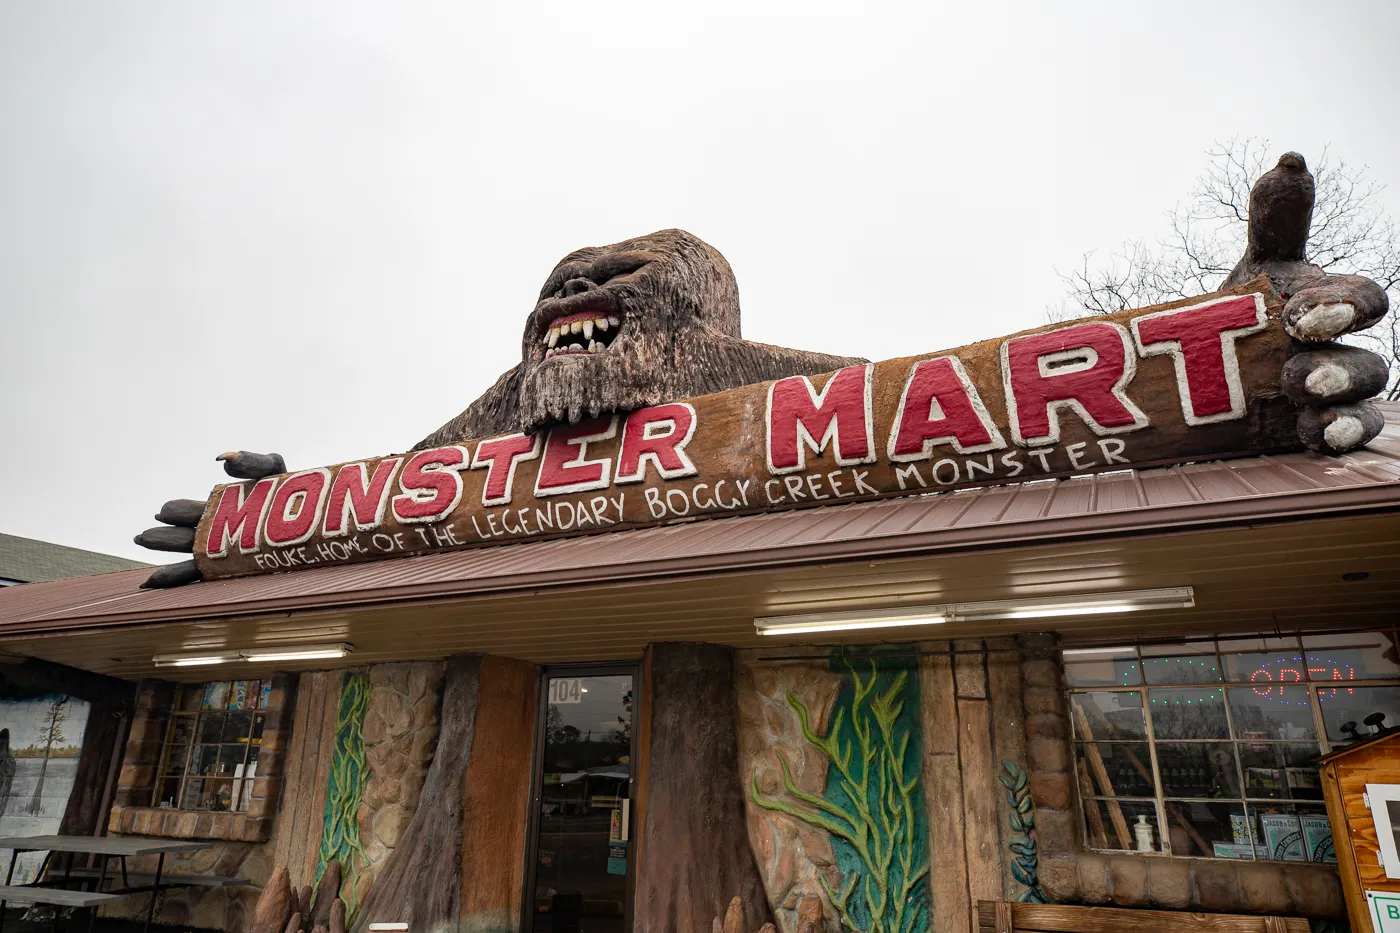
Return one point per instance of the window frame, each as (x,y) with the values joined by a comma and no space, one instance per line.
(1160,799)
(196,716)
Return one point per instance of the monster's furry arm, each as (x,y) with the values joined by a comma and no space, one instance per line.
(720,362)
(495,411)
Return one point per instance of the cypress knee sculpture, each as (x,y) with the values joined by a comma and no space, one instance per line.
(656,318)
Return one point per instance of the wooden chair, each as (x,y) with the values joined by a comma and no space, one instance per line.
(1008,917)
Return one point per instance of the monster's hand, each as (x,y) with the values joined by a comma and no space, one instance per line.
(180,517)
(1328,380)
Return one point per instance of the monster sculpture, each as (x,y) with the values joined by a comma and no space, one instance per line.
(656,318)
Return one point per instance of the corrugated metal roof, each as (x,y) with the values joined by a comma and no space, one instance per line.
(26,560)
(1260,489)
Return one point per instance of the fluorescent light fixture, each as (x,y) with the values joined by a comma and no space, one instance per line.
(289,653)
(847,621)
(298,653)
(1178,597)
(194,660)
(1181,597)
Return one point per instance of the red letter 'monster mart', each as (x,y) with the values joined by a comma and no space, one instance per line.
(239,516)
(1084,367)
(657,436)
(941,406)
(357,500)
(566,467)
(431,484)
(1201,340)
(500,456)
(800,417)
(296,507)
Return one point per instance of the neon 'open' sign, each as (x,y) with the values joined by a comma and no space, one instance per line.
(1296,670)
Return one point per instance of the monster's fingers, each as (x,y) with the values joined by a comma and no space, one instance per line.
(1333,374)
(243,464)
(183,512)
(173,575)
(167,538)
(1335,305)
(1338,429)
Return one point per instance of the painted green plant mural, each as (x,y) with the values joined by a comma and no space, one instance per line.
(340,836)
(1025,862)
(871,806)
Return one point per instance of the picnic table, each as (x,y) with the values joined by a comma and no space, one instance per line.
(53,890)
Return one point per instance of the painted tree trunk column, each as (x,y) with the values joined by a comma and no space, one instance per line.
(697,847)
(497,794)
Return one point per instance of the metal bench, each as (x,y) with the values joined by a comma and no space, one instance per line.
(1007,917)
(56,897)
(145,879)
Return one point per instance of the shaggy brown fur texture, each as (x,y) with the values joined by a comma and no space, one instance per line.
(678,304)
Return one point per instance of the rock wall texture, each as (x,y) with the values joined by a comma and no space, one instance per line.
(792,855)
(400,735)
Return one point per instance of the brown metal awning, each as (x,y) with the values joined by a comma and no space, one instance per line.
(606,595)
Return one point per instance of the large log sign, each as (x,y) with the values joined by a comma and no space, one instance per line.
(636,401)
(1201,379)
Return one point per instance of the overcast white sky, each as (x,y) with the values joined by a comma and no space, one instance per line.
(316,228)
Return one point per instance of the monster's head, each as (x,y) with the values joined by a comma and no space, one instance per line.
(621,327)
(605,332)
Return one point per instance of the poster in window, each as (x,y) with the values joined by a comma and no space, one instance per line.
(1384,800)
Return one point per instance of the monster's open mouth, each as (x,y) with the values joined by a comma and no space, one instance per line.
(585,332)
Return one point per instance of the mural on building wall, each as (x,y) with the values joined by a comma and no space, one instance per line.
(41,739)
(349,776)
(871,806)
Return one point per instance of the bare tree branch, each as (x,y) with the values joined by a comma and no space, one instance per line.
(1351,233)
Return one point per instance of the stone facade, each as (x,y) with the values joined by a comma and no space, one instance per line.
(132,811)
(400,732)
(400,735)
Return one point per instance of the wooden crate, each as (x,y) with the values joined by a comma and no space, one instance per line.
(1007,917)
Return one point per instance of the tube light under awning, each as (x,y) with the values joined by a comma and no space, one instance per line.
(1181,597)
(838,622)
(297,653)
(287,653)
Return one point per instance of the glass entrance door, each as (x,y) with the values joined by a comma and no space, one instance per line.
(581,860)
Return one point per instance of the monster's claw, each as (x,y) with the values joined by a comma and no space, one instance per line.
(186,571)
(167,538)
(185,512)
(1333,374)
(243,464)
(1338,429)
(1336,305)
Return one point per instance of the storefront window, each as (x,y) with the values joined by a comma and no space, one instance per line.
(211,748)
(1207,749)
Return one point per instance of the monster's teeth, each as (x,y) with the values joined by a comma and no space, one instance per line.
(553,336)
(594,346)
(575,346)
(548,353)
(614,320)
(588,330)
(601,323)
(576,327)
